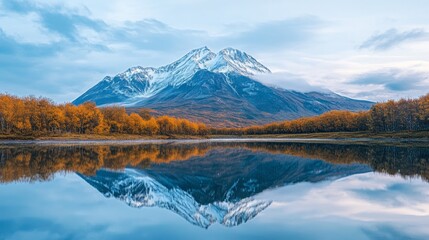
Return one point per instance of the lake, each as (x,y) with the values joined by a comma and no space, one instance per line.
(224,189)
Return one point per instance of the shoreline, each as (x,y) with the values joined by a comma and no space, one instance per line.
(356,137)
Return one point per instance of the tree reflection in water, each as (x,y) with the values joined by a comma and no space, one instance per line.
(39,163)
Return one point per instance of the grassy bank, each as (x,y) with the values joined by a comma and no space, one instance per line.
(82,137)
(325,135)
(339,135)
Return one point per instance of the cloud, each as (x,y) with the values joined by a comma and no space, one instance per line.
(17,6)
(154,35)
(392,38)
(39,69)
(67,25)
(80,30)
(275,34)
(393,79)
(288,81)
(384,231)
(56,18)
(9,46)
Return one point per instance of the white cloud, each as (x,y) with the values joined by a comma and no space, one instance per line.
(288,81)
(392,38)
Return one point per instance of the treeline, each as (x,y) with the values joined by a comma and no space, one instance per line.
(390,116)
(40,116)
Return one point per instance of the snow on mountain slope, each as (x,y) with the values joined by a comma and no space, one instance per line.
(175,74)
(183,69)
(233,60)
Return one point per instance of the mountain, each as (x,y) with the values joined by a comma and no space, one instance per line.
(219,89)
(217,187)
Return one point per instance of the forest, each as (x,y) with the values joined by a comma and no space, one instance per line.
(40,116)
(30,116)
(390,116)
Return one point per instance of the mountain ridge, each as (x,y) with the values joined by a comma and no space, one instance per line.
(207,86)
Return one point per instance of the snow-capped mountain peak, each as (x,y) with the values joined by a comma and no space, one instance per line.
(214,82)
(200,55)
(179,72)
(107,79)
(194,59)
(226,61)
(137,73)
(233,60)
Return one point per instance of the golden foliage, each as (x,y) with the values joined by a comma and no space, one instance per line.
(39,116)
(390,116)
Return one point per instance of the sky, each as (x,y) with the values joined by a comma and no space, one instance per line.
(374,50)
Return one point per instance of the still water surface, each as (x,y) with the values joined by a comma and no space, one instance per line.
(214,190)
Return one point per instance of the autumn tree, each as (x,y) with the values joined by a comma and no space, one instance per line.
(423,111)
(150,127)
(115,118)
(90,118)
(144,114)
(135,124)
(167,125)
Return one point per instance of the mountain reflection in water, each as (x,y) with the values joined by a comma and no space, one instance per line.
(206,182)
